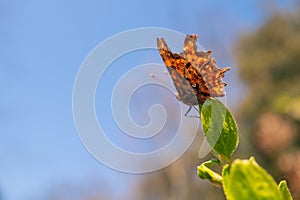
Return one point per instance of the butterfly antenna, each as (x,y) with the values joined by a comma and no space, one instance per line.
(164,83)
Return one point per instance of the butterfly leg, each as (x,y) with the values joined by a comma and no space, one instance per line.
(196,108)
(190,108)
(188,111)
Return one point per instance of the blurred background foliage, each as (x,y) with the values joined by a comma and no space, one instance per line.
(268,61)
(269,64)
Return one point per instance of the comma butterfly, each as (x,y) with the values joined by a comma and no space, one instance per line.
(194,73)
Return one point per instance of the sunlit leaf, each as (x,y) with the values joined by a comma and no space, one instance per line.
(245,179)
(285,192)
(205,172)
(219,127)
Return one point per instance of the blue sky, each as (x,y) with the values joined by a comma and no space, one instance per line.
(42,45)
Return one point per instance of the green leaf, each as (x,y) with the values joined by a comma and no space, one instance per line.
(205,172)
(285,192)
(219,127)
(245,179)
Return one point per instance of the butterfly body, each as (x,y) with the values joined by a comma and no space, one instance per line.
(194,73)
